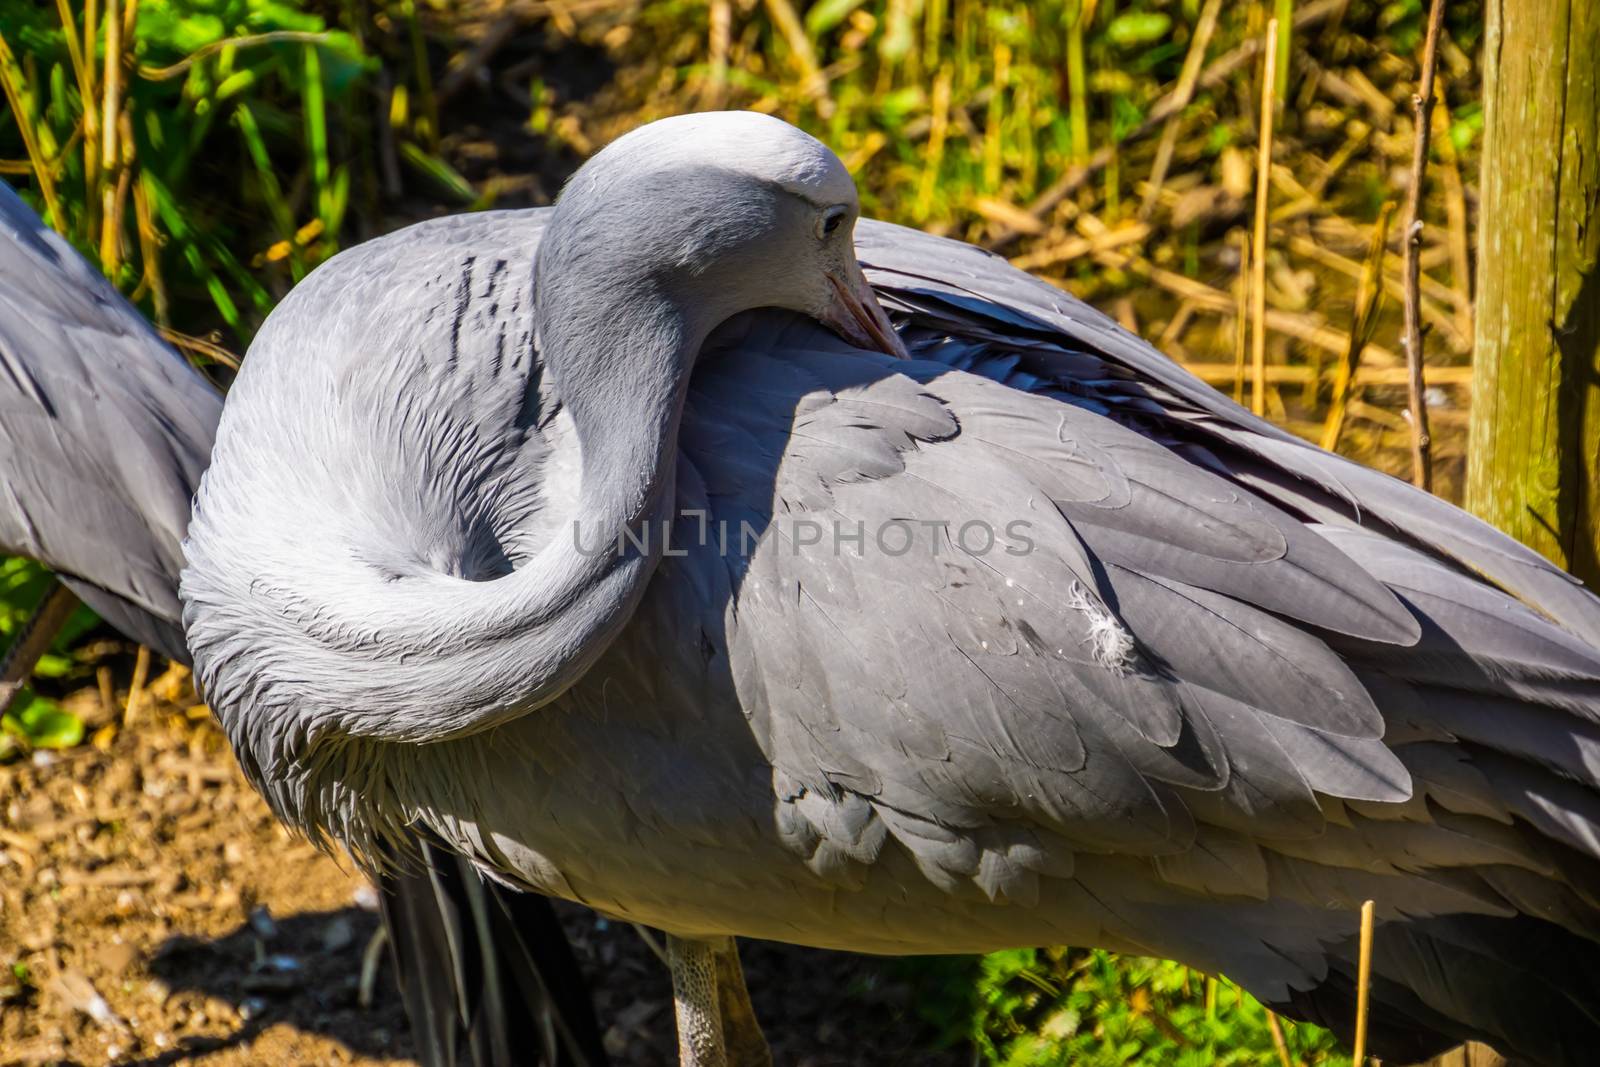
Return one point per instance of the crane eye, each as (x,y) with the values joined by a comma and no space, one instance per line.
(831,220)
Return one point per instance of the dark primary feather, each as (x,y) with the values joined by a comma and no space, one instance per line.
(104,433)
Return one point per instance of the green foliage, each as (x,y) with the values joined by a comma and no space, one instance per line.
(1466,124)
(34,722)
(23,584)
(233,142)
(1138,28)
(226,182)
(1061,1007)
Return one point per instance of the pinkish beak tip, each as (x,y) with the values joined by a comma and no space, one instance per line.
(856,315)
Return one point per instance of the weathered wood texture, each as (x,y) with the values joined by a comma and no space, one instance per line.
(1534,459)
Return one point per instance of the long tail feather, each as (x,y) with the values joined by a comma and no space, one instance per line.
(486,972)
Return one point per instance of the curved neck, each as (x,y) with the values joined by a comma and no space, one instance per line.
(437,656)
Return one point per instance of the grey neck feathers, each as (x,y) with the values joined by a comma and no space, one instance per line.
(427,656)
(455,657)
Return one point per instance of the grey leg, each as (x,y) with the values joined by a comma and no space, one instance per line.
(694,995)
(16,666)
(747,1045)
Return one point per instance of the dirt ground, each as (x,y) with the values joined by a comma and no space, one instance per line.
(152,912)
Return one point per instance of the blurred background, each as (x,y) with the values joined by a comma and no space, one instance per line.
(209,153)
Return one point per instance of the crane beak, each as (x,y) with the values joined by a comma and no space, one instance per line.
(855,314)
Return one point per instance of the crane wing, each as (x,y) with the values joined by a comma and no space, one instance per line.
(1206,685)
(945,277)
(104,430)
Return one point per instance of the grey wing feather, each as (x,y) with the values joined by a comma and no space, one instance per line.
(922,268)
(1328,686)
(104,432)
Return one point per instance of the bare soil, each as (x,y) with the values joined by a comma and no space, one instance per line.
(152,912)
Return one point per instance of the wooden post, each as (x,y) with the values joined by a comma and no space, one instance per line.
(1534,451)
(1533,464)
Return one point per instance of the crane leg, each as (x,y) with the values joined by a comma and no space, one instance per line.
(694,996)
(746,1044)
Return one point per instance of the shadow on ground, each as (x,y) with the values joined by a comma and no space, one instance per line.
(303,970)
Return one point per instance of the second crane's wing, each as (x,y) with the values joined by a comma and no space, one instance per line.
(104,430)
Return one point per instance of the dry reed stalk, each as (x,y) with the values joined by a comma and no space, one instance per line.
(1340,158)
(1172,334)
(934,158)
(1220,374)
(108,695)
(1005,213)
(1455,209)
(88,91)
(1278,1042)
(1078,82)
(1422,107)
(110,108)
(1432,313)
(150,254)
(815,82)
(69,30)
(1258,251)
(199,345)
(1215,73)
(717,65)
(1382,416)
(1337,228)
(41,166)
(1181,96)
(1308,395)
(1074,247)
(1241,316)
(1284,17)
(1363,991)
(1206,298)
(1355,90)
(118,205)
(1331,32)
(141,672)
(1368,295)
